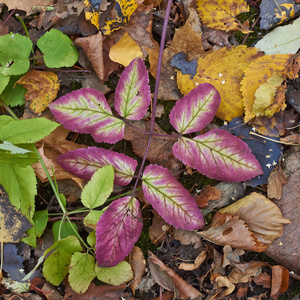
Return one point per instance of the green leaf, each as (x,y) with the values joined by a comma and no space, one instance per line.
(7,146)
(4,119)
(93,217)
(117,275)
(14,95)
(96,192)
(91,239)
(21,160)
(40,219)
(20,184)
(81,271)
(56,266)
(14,53)
(3,83)
(65,230)
(57,49)
(26,131)
(30,239)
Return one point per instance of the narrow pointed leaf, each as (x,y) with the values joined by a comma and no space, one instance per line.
(219,155)
(133,91)
(170,199)
(117,231)
(85,162)
(195,110)
(86,111)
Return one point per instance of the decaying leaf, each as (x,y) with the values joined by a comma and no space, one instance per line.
(257,73)
(27,5)
(252,223)
(197,263)
(224,69)
(138,264)
(169,280)
(125,50)
(275,182)
(220,282)
(280,281)
(222,14)
(13,224)
(42,88)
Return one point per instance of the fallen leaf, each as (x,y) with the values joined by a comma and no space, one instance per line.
(224,69)
(4,29)
(215,39)
(231,257)
(42,88)
(222,14)
(186,237)
(169,280)
(26,5)
(223,281)
(158,230)
(285,250)
(241,273)
(208,193)
(275,182)
(138,264)
(263,279)
(293,66)
(197,263)
(294,138)
(257,73)
(280,281)
(125,50)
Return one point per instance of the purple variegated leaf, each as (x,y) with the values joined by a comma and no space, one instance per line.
(132,96)
(85,162)
(117,231)
(195,110)
(170,199)
(219,155)
(86,111)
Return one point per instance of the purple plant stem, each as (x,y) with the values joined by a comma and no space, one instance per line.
(9,16)
(159,64)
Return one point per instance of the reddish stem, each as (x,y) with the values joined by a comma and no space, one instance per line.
(9,16)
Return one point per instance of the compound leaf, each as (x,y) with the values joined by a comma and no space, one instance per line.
(117,231)
(56,266)
(20,185)
(170,199)
(14,53)
(82,271)
(57,49)
(219,155)
(195,110)
(133,91)
(98,188)
(86,111)
(27,130)
(85,161)
(117,275)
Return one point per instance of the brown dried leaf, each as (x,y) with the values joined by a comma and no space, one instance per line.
(138,264)
(4,29)
(186,237)
(222,281)
(293,66)
(197,263)
(160,151)
(208,193)
(292,139)
(285,250)
(280,281)
(169,280)
(26,5)
(242,273)
(275,182)
(215,39)
(158,230)
(261,215)
(263,279)
(231,257)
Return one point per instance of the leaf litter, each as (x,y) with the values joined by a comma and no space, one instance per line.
(248,81)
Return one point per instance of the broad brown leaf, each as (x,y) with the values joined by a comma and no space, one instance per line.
(26,5)
(138,264)
(275,183)
(285,250)
(42,88)
(280,281)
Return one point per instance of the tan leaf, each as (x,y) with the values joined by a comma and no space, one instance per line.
(26,5)
(280,281)
(186,237)
(241,273)
(222,14)
(275,183)
(222,281)
(169,280)
(138,264)
(263,279)
(224,69)
(125,50)
(261,215)
(285,250)
(42,88)
(158,230)
(197,263)
(257,73)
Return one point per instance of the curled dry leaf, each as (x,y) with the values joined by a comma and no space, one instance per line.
(251,223)
(169,280)
(197,263)
(231,257)
(275,182)
(223,281)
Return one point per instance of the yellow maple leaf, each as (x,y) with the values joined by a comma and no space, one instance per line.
(224,69)
(257,73)
(221,14)
(125,50)
(42,88)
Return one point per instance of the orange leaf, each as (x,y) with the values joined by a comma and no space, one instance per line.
(280,281)
(42,88)
(224,69)
(222,14)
